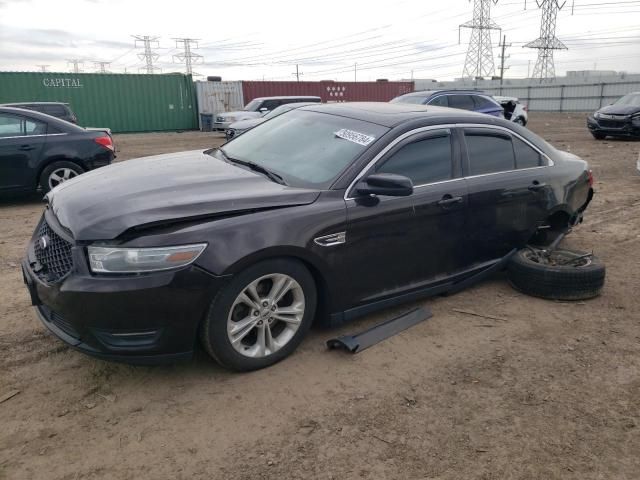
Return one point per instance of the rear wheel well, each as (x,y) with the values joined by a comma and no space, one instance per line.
(555,224)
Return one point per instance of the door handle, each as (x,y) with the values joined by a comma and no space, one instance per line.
(449,200)
(26,148)
(535,186)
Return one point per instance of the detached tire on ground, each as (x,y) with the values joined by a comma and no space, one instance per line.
(566,275)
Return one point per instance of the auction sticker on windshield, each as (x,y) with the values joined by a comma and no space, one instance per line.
(355,137)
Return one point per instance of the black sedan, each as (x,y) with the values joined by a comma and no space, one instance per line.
(326,213)
(38,150)
(620,119)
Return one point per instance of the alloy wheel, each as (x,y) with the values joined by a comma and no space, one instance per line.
(265,315)
(61,175)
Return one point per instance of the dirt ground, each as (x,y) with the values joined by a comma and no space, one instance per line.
(551,391)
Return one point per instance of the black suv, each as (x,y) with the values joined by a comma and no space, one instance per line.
(55,109)
(620,119)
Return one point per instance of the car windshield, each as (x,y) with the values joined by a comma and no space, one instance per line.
(253,105)
(414,99)
(630,100)
(307,149)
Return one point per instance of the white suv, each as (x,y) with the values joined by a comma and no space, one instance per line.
(513,109)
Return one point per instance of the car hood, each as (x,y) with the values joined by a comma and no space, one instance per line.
(104,203)
(619,109)
(246,124)
(240,114)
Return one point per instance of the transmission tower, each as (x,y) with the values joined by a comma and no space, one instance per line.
(75,62)
(43,68)
(102,66)
(547,42)
(479,61)
(188,57)
(149,56)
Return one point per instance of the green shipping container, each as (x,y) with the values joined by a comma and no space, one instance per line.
(121,102)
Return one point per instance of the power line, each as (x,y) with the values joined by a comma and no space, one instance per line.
(188,57)
(547,42)
(149,56)
(479,61)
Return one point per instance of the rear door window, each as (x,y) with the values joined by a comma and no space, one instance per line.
(489,152)
(424,161)
(440,101)
(484,103)
(526,156)
(464,102)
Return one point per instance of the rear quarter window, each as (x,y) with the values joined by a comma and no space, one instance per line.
(526,157)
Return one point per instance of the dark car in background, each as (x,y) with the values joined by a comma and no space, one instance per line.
(38,150)
(471,100)
(327,212)
(620,119)
(55,109)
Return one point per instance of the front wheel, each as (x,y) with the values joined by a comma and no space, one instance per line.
(261,316)
(57,173)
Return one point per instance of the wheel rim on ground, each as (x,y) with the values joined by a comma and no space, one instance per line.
(265,315)
(61,175)
(559,258)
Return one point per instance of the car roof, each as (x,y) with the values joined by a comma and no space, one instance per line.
(428,93)
(33,103)
(392,114)
(43,117)
(286,97)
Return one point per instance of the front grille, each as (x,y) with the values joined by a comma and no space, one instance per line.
(53,254)
(58,321)
(612,123)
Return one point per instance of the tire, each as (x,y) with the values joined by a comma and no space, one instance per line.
(598,135)
(58,170)
(556,281)
(228,311)
(520,121)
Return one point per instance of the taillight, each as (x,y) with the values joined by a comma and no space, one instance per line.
(105,141)
(590,178)
(525,108)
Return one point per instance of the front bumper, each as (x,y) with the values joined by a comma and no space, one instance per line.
(221,125)
(143,319)
(614,128)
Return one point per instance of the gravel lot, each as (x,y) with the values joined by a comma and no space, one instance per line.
(552,391)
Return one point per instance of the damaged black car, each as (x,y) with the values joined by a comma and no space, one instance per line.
(620,119)
(322,214)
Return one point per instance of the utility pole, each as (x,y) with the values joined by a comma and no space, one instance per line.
(102,66)
(503,57)
(298,73)
(188,57)
(76,62)
(149,56)
(43,68)
(546,43)
(355,72)
(479,60)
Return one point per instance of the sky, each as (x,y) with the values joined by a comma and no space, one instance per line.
(328,39)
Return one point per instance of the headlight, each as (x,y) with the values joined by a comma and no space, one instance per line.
(596,115)
(136,260)
(229,119)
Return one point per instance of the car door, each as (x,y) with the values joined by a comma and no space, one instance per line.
(402,243)
(506,203)
(21,143)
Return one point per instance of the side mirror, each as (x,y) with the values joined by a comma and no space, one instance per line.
(388,184)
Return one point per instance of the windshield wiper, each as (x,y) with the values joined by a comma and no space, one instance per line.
(273,176)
